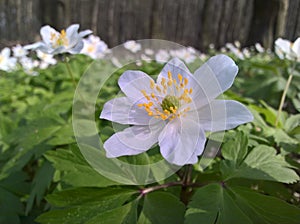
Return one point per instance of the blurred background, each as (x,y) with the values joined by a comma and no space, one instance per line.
(195,23)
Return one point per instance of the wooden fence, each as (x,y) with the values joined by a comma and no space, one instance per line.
(190,22)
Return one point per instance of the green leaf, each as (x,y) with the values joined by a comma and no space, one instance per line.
(10,207)
(213,204)
(292,122)
(265,209)
(34,133)
(142,159)
(40,184)
(261,163)
(217,204)
(76,171)
(161,208)
(82,205)
(282,137)
(115,216)
(236,149)
(63,136)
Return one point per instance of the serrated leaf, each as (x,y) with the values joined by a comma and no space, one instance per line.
(236,149)
(281,137)
(261,163)
(215,203)
(162,207)
(292,122)
(212,204)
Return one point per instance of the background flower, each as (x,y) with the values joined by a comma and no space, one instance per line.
(132,46)
(94,47)
(7,63)
(53,42)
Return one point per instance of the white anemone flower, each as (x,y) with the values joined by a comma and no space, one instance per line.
(7,63)
(46,59)
(29,65)
(162,56)
(283,49)
(19,51)
(132,46)
(188,54)
(235,50)
(94,47)
(149,51)
(259,48)
(175,111)
(296,48)
(65,41)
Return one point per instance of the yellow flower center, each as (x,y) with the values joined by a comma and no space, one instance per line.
(176,95)
(90,49)
(1,59)
(60,39)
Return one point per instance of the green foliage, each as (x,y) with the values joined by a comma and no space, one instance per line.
(88,205)
(260,163)
(215,203)
(44,178)
(162,207)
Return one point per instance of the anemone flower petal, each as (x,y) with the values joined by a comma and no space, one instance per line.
(283,45)
(222,115)
(132,82)
(35,46)
(6,52)
(179,141)
(77,48)
(296,48)
(47,32)
(175,66)
(133,140)
(124,111)
(214,77)
(85,33)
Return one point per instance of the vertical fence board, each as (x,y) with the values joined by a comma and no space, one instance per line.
(190,22)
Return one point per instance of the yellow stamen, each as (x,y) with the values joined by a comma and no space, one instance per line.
(152,84)
(145,94)
(169,75)
(52,36)
(158,89)
(163,81)
(153,96)
(63,33)
(180,78)
(186,81)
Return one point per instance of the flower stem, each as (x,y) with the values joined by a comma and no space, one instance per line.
(70,71)
(287,85)
(186,189)
(66,60)
(157,187)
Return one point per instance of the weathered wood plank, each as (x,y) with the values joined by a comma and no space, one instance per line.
(190,22)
